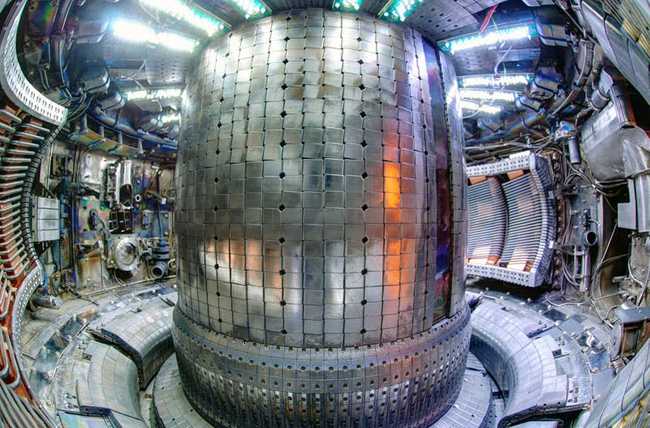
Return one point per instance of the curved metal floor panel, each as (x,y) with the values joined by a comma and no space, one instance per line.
(540,361)
(171,408)
(145,336)
(104,380)
(473,405)
(630,387)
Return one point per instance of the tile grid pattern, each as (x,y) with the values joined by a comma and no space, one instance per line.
(307,184)
(312,289)
(407,383)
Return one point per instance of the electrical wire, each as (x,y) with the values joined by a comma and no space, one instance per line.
(645,286)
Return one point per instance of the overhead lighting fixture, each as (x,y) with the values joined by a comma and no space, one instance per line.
(349,5)
(399,10)
(156,94)
(251,8)
(491,81)
(170,117)
(136,32)
(483,108)
(485,95)
(487,38)
(188,13)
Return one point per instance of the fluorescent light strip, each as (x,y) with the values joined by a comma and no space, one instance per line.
(488,38)
(349,5)
(507,96)
(496,81)
(156,94)
(169,118)
(136,32)
(188,13)
(489,109)
(251,8)
(399,10)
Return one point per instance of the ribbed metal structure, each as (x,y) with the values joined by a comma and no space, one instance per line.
(487,218)
(512,220)
(307,227)
(525,224)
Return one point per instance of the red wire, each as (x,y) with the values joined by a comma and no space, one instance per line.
(488,17)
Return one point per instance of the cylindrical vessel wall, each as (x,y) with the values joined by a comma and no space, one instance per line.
(308,217)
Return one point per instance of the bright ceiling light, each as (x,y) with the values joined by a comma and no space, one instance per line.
(188,13)
(136,32)
(156,94)
(490,81)
(169,118)
(399,10)
(474,94)
(251,8)
(176,42)
(489,109)
(488,38)
(350,5)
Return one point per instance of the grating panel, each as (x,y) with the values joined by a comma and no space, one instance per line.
(526,207)
(524,225)
(487,217)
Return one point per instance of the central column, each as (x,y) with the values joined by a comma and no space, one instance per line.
(314,227)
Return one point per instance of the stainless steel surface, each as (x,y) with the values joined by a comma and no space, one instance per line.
(103,382)
(525,207)
(298,203)
(487,219)
(45,219)
(600,141)
(172,410)
(126,254)
(143,335)
(636,160)
(406,383)
(442,19)
(472,409)
(14,83)
(626,399)
(308,176)
(451,186)
(547,357)
(624,42)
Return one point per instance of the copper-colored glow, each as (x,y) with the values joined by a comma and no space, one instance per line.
(391,185)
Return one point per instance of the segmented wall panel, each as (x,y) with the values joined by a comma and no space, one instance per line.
(487,217)
(512,220)
(524,225)
(307,220)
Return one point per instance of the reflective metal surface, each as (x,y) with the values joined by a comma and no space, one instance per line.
(14,83)
(308,216)
(450,171)
(407,383)
(307,212)
(512,220)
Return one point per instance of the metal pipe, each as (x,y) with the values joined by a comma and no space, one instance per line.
(113,123)
(574,151)
(522,123)
(159,269)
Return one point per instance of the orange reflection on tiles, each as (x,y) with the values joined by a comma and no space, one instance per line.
(391,185)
